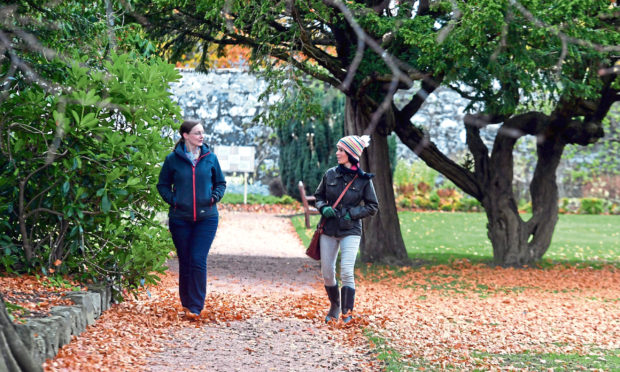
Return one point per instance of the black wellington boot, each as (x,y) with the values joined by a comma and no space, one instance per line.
(334,299)
(348,300)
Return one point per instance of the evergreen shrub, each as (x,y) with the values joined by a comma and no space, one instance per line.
(308,128)
(592,206)
(78,172)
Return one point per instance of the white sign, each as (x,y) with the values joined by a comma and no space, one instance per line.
(235,158)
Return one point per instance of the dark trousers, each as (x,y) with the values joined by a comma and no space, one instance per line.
(192,241)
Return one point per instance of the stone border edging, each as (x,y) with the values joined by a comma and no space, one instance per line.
(43,337)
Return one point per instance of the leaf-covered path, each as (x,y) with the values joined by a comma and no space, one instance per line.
(265,303)
(259,258)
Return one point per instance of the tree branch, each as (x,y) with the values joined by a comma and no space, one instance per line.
(319,55)
(428,86)
(284,56)
(379,8)
(45,190)
(416,140)
(555,30)
(532,123)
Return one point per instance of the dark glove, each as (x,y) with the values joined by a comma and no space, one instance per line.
(347,217)
(328,212)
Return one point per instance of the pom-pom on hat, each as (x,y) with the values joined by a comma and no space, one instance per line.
(354,145)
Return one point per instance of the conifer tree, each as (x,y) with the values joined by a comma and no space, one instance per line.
(307,146)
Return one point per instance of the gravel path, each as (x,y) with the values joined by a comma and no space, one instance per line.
(259,255)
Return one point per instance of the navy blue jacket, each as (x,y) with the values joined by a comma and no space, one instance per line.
(191,191)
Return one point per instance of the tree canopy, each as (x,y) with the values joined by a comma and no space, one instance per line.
(541,68)
(84,105)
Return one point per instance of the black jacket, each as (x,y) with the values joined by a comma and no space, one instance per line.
(359,201)
(191,191)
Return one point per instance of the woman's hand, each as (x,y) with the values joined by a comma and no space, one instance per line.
(328,212)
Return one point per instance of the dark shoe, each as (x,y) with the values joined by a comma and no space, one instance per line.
(334,299)
(348,300)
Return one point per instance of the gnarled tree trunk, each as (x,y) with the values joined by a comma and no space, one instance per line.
(517,242)
(381,239)
(505,226)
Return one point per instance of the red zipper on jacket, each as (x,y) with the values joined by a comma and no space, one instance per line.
(194,182)
(194,189)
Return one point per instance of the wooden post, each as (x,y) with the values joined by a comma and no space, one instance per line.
(305,202)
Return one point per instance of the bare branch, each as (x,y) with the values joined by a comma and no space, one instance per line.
(481,120)
(43,192)
(47,210)
(614,70)
(109,11)
(457,15)
(428,87)
(414,137)
(502,44)
(390,61)
(562,56)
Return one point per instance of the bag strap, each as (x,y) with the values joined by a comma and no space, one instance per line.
(344,191)
(338,200)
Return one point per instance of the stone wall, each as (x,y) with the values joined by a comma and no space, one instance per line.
(226,102)
(43,337)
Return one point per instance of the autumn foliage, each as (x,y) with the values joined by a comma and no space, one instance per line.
(460,316)
(231,56)
(442,315)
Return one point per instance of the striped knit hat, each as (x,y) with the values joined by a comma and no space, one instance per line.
(354,145)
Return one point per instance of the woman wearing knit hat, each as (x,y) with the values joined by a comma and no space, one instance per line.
(343,226)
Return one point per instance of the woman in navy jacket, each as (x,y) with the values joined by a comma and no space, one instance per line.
(191,182)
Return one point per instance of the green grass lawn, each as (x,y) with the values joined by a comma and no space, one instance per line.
(442,237)
(579,240)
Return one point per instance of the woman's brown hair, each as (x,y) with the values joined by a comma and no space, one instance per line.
(186,127)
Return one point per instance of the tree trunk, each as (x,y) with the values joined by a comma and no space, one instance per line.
(544,192)
(14,357)
(516,242)
(382,240)
(505,227)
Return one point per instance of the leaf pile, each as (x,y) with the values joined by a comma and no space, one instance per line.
(442,316)
(131,330)
(123,337)
(445,315)
(29,296)
(283,209)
